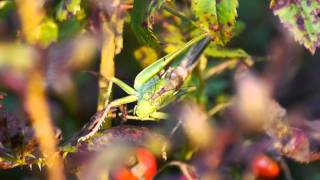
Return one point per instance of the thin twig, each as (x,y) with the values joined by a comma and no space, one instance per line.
(184,168)
(286,169)
(218,108)
(220,68)
(164,147)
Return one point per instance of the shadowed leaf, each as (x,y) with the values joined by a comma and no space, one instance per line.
(138,25)
(154,5)
(68,7)
(302,19)
(16,140)
(5,7)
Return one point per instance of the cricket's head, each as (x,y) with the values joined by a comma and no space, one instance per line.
(144,108)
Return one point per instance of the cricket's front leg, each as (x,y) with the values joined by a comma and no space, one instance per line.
(124,100)
(91,127)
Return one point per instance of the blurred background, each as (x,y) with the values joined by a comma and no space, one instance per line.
(73,94)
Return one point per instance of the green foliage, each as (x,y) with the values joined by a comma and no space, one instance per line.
(47,32)
(227,13)
(68,28)
(68,7)
(216,17)
(155,5)
(221,52)
(5,7)
(74,6)
(62,13)
(301,18)
(238,28)
(61,41)
(139,26)
(206,13)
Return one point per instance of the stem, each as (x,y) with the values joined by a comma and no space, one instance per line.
(220,68)
(106,69)
(218,108)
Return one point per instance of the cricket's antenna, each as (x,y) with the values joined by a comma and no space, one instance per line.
(97,74)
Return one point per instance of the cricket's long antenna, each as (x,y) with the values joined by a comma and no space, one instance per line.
(96,74)
(196,50)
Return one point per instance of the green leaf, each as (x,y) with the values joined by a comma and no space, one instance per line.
(74,6)
(301,18)
(206,13)
(216,17)
(221,52)
(227,13)
(68,7)
(69,28)
(5,7)
(46,32)
(140,28)
(239,27)
(155,5)
(68,149)
(62,13)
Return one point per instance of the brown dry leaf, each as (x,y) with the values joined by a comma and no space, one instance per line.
(37,108)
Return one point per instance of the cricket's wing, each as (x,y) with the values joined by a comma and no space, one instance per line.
(153,69)
(193,55)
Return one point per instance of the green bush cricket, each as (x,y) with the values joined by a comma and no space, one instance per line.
(154,87)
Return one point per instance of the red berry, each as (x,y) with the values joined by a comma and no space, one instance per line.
(265,167)
(124,174)
(146,161)
(149,161)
